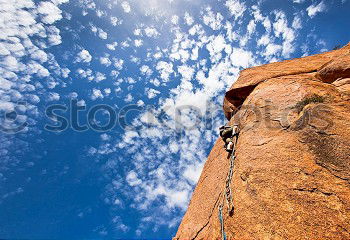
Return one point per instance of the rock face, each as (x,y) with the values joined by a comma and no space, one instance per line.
(291,177)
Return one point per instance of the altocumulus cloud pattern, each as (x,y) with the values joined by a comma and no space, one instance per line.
(163,67)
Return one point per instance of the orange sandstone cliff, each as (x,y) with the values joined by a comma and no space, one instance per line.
(291,177)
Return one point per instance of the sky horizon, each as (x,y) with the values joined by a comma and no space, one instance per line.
(108,109)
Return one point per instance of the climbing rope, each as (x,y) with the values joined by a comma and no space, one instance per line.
(221,219)
(230,146)
(228,189)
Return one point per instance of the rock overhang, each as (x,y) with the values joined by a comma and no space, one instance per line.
(328,67)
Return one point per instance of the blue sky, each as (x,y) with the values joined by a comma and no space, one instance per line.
(169,62)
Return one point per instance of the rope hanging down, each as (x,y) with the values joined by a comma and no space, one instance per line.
(228,189)
(223,235)
(230,136)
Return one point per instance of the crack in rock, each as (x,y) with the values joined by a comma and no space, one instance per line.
(201,229)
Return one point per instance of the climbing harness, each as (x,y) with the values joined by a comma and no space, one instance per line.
(229,135)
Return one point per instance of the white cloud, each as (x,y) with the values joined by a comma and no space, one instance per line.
(165,69)
(175,19)
(112,46)
(99,77)
(280,24)
(186,72)
(193,172)
(137,32)
(157,55)
(155,82)
(236,7)
(73,95)
(39,55)
(130,80)
(146,70)
(58,2)
(83,56)
(120,225)
(99,31)
(85,73)
(35,68)
(102,34)
(188,19)
(116,21)
(53,97)
(6,106)
(251,27)
(105,61)
(3,50)
(177,198)
(140,103)
(100,13)
(297,23)
(213,20)
(138,42)
(118,63)
(132,178)
(50,12)
(105,137)
(129,98)
(26,34)
(281,29)
(264,40)
(151,93)
(65,72)
(215,47)
(125,44)
(126,6)
(96,93)
(150,118)
(54,37)
(81,103)
(241,58)
(5,84)
(272,49)
(196,30)
(107,91)
(10,63)
(151,32)
(313,9)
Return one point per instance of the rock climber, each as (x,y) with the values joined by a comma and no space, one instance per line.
(227,133)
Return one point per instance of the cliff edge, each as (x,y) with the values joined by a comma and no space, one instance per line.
(291,178)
